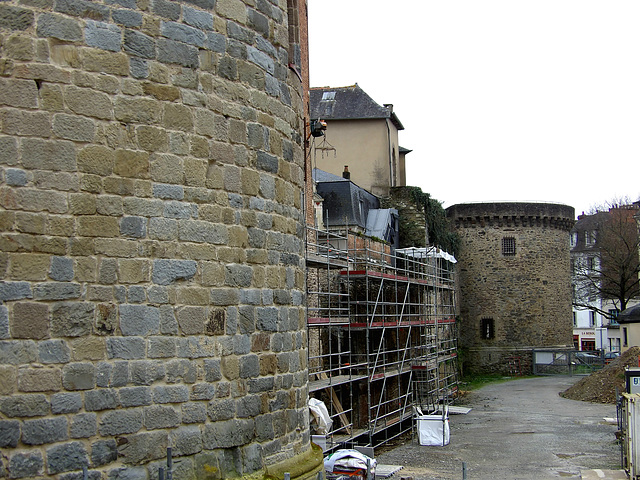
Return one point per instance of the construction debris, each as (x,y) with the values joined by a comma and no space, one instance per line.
(600,386)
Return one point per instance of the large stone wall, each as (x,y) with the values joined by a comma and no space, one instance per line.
(152,272)
(526,296)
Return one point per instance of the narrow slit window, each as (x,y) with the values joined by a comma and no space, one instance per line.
(487,328)
(508,246)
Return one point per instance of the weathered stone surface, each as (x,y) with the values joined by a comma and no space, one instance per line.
(44,430)
(30,320)
(143,447)
(26,464)
(66,457)
(149,214)
(79,376)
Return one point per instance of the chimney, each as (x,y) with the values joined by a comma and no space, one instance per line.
(346,174)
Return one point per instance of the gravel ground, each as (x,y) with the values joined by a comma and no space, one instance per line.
(521,429)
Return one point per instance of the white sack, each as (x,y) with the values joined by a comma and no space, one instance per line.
(320,415)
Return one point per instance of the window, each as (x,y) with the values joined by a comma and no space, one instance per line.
(613,315)
(574,239)
(625,340)
(508,246)
(592,318)
(591,263)
(487,328)
(575,319)
(589,237)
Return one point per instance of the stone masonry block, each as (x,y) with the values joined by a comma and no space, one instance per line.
(82,8)
(171,394)
(18,93)
(13,18)
(71,127)
(103,452)
(166,272)
(15,291)
(91,103)
(79,376)
(135,396)
(121,422)
(31,405)
(61,269)
(66,402)
(228,434)
(44,430)
(146,372)
(66,457)
(72,319)
(52,155)
(197,18)
(26,464)
(186,440)
(127,18)
(127,348)
(183,33)
(161,416)
(9,433)
(171,51)
(4,323)
(194,412)
(17,352)
(98,226)
(59,291)
(46,379)
(139,320)
(139,44)
(83,425)
(192,320)
(30,320)
(101,399)
(59,26)
(133,227)
(103,35)
(143,447)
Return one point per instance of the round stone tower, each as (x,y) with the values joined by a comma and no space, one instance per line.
(151,167)
(515,284)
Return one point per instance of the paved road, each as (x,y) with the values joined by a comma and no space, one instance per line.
(521,429)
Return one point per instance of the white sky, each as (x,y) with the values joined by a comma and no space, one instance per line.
(512,100)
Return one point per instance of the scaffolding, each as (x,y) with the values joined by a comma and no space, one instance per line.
(382,335)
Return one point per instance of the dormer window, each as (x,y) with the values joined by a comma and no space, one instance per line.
(328,96)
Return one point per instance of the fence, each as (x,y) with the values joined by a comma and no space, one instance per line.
(566,362)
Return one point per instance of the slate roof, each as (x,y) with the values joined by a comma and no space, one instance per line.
(348,103)
(630,315)
(345,202)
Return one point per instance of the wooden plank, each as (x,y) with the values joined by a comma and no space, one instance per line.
(336,403)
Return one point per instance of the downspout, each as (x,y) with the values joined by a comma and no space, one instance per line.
(390,155)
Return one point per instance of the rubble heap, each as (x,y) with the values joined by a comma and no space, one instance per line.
(600,386)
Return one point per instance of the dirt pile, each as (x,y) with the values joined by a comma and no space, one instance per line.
(600,386)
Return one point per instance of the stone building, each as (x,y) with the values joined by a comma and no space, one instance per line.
(514,280)
(152,169)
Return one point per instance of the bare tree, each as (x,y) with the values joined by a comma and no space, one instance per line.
(609,270)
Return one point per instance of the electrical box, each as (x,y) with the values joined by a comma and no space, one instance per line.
(632,379)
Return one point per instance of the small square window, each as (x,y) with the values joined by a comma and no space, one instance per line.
(508,246)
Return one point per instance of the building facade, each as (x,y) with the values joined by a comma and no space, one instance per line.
(360,134)
(514,282)
(604,266)
(151,249)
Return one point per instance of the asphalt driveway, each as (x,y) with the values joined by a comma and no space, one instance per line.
(520,429)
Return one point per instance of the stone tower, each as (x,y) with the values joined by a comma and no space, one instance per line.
(515,284)
(151,168)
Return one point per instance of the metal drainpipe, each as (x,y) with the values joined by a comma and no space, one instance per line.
(390,154)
